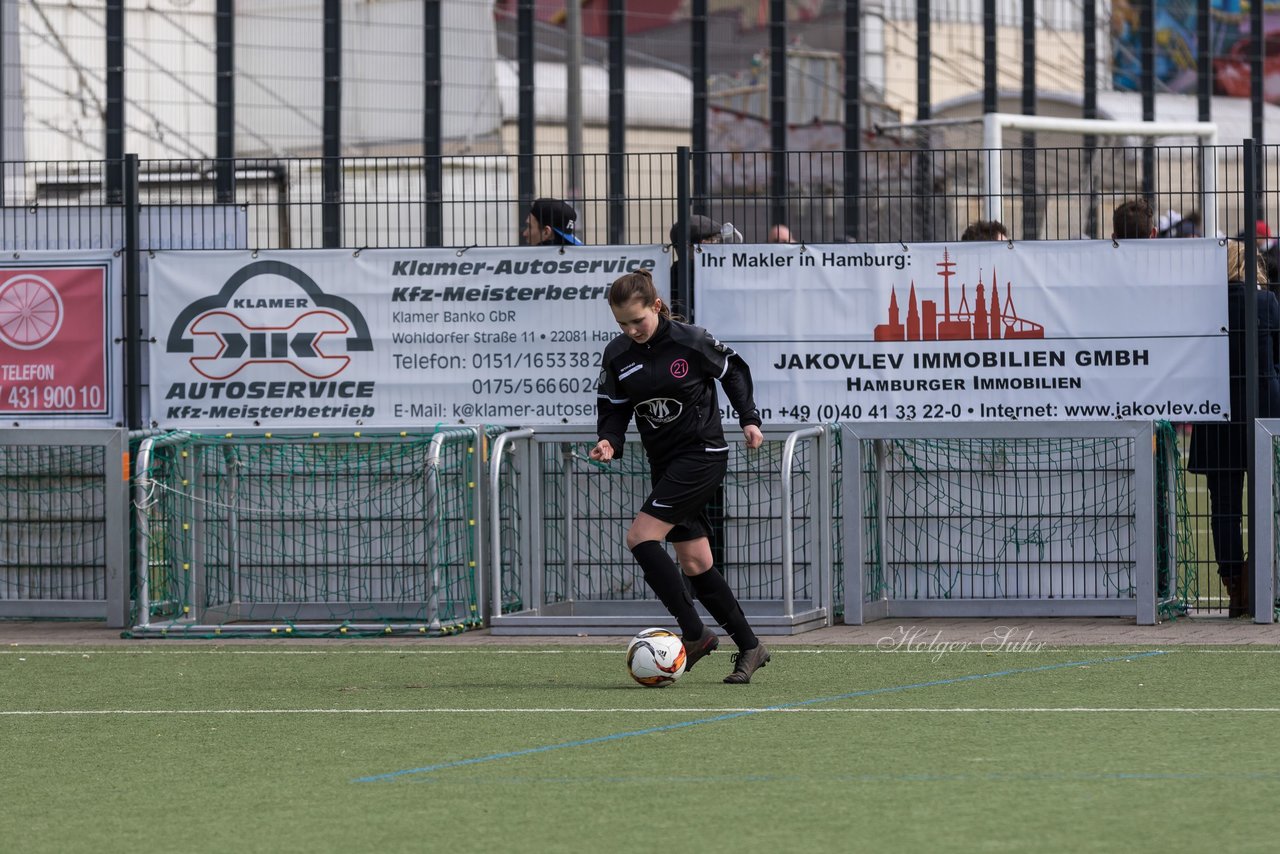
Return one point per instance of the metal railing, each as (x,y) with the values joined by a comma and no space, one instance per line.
(63,524)
(980,519)
(905,191)
(558,562)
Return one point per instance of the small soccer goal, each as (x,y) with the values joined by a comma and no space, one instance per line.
(1000,520)
(559,564)
(310,533)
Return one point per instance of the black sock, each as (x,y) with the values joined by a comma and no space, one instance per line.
(664,579)
(717,597)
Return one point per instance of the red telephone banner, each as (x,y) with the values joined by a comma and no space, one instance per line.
(53,340)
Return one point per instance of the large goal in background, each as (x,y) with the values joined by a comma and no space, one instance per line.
(1042,176)
(1196,167)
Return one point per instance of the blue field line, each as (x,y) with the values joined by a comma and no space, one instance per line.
(878,779)
(869,692)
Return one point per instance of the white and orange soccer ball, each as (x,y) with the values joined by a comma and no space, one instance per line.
(655,658)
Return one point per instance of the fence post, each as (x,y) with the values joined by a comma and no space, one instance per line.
(4,100)
(1257,57)
(682,282)
(1089,110)
(1147,85)
(1251,187)
(114,113)
(432,126)
(132,297)
(778,111)
(698,67)
(617,120)
(852,117)
(525,145)
(331,171)
(1030,196)
(922,177)
(225,102)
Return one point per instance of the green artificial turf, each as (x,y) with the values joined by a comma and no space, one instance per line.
(838,749)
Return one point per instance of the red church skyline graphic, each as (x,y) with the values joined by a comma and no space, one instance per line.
(990,319)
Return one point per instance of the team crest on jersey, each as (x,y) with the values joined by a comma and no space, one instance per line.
(679,369)
(659,410)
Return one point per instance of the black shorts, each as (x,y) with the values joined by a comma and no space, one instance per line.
(681,490)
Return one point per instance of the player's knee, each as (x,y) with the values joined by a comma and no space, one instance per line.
(694,564)
(635,538)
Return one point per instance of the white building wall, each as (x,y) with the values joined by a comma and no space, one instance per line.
(12,142)
(169,74)
(56,52)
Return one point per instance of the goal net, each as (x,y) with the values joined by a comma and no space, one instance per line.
(307,534)
(1056,523)
(1041,176)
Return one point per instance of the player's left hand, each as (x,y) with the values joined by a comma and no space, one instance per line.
(754,437)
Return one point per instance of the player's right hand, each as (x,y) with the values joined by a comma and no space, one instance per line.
(603,451)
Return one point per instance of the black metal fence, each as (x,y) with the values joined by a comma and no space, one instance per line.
(871,196)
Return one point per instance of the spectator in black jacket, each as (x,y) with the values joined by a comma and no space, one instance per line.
(1218,450)
(663,372)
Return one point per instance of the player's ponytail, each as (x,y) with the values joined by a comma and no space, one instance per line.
(638,285)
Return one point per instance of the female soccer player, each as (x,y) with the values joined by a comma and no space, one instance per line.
(664,372)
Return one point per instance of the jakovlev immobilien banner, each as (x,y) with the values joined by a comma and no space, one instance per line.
(1044,330)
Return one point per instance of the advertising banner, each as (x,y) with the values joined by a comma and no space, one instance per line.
(59,325)
(390,338)
(1044,330)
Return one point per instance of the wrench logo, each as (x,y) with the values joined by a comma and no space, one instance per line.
(251,321)
(297,344)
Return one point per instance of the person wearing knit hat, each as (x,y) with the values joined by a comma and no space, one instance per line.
(550,222)
(704,229)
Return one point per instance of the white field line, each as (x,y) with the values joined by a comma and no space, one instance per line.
(791,710)
(969,647)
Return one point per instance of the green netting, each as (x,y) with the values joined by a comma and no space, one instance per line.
(586,507)
(52,523)
(314,533)
(514,583)
(989,518)
(837,521)
(1177,590)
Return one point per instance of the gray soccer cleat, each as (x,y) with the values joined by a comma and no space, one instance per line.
(746,663)
(697,650)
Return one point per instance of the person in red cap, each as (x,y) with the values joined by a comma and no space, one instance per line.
(1263,232)
(1267,248)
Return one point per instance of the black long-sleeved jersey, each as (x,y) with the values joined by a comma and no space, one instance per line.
(668,383)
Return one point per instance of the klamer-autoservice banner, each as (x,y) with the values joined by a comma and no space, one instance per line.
(394,338)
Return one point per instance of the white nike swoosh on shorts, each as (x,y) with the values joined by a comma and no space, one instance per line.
(664,506)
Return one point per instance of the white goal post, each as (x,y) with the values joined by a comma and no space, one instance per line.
(995,124)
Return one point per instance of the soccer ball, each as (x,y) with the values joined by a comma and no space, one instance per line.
(655,658)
